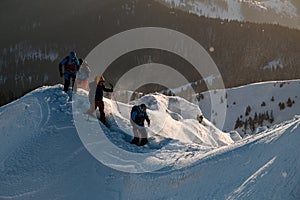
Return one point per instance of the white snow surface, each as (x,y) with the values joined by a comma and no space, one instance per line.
(42,156)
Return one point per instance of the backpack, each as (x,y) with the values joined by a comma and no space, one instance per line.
(70,67)
(140,117)
(134,109)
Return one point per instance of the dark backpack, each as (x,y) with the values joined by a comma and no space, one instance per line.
(71,67)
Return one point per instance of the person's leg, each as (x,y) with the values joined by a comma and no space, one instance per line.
(144,137)
(135,139)
(74,84)
(97,104)
(67,82)
(102,114)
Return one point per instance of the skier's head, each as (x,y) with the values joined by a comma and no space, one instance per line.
(72,54)
(143,107)
(101,79)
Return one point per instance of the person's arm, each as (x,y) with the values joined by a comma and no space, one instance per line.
(77,64)
(61,64)
(147,119)
(60,70)
(108,89)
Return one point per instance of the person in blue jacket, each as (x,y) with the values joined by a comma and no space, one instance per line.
(71,65)
(137,119)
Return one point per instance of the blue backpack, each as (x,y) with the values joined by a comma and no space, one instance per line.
(134,109)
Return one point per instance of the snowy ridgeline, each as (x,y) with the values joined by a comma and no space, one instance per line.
(174,124)
(43,157)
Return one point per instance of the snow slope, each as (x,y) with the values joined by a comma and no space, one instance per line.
(43,157)
(283,12)
(254,95)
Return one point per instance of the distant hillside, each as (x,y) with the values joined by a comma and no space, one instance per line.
(285,13)
(244,52)
(256,105)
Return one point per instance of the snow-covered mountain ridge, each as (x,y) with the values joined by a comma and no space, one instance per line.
(285,13)
(42,156)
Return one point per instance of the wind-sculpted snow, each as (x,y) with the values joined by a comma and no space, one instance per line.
(42,156)
(174,129)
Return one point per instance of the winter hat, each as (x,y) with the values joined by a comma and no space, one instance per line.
(143,106)
(101,79)
(72,54)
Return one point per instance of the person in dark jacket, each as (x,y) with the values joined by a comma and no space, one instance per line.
(97,92)
(137,119)
(71,65)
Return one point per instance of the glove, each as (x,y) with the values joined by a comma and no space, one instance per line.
(149,124)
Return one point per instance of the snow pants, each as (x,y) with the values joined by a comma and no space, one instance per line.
(68,77)
(100,105)
(138,131)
